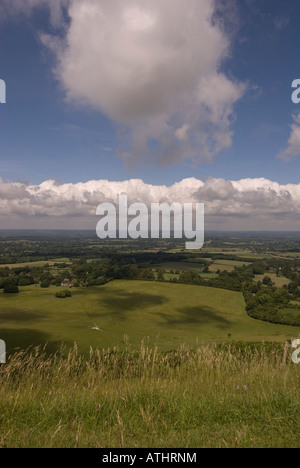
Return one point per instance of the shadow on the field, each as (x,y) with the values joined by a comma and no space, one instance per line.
(17,340)
(17,315)
(121,302)
(196,315)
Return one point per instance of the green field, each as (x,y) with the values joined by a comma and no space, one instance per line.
(228,265)
(38,263)
(181,266)
(164,314)
(279,281)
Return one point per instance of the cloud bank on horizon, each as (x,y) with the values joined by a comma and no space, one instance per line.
(248,204)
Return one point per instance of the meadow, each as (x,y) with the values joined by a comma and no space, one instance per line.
(234,396)
(136,363)
(279,281)
(166,315)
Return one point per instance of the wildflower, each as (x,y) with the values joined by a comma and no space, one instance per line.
(245,388)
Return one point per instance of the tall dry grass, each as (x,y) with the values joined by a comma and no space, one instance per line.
(234,395)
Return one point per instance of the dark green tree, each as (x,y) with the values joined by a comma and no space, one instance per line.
(10,287)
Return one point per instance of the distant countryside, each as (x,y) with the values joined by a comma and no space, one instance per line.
(126,311)
(238,288)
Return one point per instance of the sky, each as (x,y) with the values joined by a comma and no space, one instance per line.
(165,100)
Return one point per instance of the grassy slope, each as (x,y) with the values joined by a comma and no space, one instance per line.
(204,398)
(169,314)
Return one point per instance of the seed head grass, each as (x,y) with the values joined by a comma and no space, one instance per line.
(236,395)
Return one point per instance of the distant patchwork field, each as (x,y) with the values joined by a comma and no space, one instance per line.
(227,265)
(37,263)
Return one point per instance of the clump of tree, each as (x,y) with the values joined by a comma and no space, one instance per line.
(271,305)
(10,287)
(160,275)
(45,284)
(190,277)
(63,294)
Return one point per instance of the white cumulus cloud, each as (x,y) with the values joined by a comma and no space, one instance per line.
(154,68)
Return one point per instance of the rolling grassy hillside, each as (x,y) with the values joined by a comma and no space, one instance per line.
(164,314)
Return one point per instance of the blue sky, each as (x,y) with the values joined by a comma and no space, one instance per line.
(51,129)
(42,136)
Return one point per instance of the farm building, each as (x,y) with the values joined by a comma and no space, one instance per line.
(67,283)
